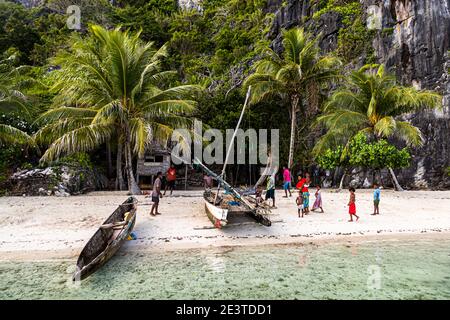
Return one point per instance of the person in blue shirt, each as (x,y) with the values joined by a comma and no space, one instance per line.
(376,199)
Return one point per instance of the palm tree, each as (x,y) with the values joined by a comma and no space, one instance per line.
(295,76)
(12,100)
(372,102)
(111,86)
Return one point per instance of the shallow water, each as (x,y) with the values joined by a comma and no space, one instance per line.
(390,269)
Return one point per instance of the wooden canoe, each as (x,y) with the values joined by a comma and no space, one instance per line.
(215,213)
(222,213)
(106,241)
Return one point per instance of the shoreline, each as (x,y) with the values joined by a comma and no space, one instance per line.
(303,240)
(39,228)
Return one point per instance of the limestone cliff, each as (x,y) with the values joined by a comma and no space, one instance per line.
(413,40)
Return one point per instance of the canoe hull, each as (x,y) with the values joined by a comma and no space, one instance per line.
(105,243)
(217,215)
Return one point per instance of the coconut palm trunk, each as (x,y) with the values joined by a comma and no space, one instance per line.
(341,183)
(397,185)
(120,184)
(294,106)
(133,187)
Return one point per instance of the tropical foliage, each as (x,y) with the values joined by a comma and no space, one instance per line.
(130,74)
(360,153)
(372,102)
(296,77)
(12,103)
(111,87)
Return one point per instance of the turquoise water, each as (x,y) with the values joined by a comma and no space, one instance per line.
(371,270)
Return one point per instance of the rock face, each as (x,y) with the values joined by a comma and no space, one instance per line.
(61,181)
(413,41)
(417,51)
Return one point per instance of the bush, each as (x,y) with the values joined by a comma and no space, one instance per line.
(80,159)
(361,153)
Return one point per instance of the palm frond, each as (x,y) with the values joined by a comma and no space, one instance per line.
(409,133)
(53,115)
(385,127)
(79,140)
(10,135)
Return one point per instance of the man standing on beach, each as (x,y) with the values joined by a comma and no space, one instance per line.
(287,182)
(156,194)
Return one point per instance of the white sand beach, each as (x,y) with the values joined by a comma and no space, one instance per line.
(51,227)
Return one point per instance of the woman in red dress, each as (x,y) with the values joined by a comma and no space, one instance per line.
(171,179)
(352,205)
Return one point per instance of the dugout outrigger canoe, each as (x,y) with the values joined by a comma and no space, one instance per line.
(107,240)
(232,205)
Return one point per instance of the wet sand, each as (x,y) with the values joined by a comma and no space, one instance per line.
(49,227)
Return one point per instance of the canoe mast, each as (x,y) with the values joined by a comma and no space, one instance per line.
(258,212)
(222,175)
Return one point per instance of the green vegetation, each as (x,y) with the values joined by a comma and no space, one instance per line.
(360,153)
(387,31)
(371,103)
(331,158)
(376,155)
(137,69)
(111,87)
(354,38)
(296,76)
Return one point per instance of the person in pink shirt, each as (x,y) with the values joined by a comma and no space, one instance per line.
(287,181)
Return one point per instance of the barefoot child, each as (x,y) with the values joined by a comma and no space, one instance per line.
(258,195)
(318,202)
(270,190)
(299,202)
(352,205)
(376,199)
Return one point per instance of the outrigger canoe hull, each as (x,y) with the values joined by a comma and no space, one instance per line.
(224,214)
(217,215)
(105,242)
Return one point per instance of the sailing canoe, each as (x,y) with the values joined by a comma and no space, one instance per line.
(215,213)
(107,240)
(227,211)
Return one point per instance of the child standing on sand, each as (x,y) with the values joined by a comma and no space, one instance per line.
(352,205)
(376,199)
(258,195)
(318,202)
(299,202)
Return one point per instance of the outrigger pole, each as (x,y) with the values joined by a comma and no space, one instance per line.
(222,175)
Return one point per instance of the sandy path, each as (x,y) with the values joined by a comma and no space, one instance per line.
(49,227)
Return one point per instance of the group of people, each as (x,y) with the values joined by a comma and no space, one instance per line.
(352,202)
(168,183)
(302,185)
(156,194)
(302,200)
